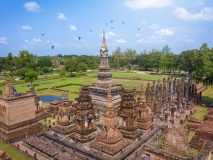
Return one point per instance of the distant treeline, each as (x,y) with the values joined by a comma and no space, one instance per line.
(197,62)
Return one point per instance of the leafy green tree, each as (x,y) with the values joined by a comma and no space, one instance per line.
(11,63)
(21,72)
(155,59)
(70,65)
(129,66)
(30,76)
(82,67)
(115,62)
(44,62)
(168,61)
(26,59)
(62,73)
(45,70)
(94,66)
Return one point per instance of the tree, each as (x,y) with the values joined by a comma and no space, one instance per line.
(155,59)
(44,62)
(21,72)
(129,66)
(11,63)
(62,73)
(70,65)
(26,59)
(30,76)
(45,70)
(115,62)
(82,67)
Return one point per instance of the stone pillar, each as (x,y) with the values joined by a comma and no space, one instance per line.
(172,115)
(178,111)
(9,90)
(148,93)
(166,120)
(162,116)
(155,113)
(183,107)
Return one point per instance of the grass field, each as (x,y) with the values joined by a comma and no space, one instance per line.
(12,152)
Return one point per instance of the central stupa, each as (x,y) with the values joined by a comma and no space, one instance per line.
(98,90)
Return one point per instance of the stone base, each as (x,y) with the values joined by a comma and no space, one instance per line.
(145,126)
(99,96)
(83,138)
(109,149)
(11,134)
(62,130)
(130,134)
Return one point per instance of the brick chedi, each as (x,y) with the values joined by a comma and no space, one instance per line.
(109,140)
(128,115)
(17,115)
(175,140)
(98,91)
(85,120)
(143,116)
(64,122)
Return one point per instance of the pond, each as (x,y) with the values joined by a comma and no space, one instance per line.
(49,98)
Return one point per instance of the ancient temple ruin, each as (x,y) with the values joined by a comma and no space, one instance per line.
(143,116)
(98,90)
(17,115)
(128,115)
(85,119)
(109,140)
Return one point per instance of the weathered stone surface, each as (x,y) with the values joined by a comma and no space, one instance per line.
(175,139)
(109,140)
(128,115)
(85,120)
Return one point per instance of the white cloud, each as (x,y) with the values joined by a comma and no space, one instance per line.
(32,6)
(165,32)
(120,40)
(143,22)
(143,4)
(152,39)
(108,35)
(73,28)
(26,27)
(61,16)
(140,40)
(204,14)
(154,26)
(3,40)
(138,35)
(37,40)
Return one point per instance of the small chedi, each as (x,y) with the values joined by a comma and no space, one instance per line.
(109,140)
(128,115)
(175,141)
(65,121)
(85,119)
(143,116)
(13,105)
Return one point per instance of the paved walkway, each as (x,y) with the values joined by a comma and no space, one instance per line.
(30,151)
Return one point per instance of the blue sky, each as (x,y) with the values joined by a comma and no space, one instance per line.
(181,24)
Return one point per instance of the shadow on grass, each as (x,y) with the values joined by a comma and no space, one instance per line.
(207,100)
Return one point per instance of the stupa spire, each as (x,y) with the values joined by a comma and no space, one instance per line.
(142,95)
(104,46)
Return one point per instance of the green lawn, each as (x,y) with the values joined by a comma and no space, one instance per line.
(200,114)
(12,152)
(133,75)
(207,95)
